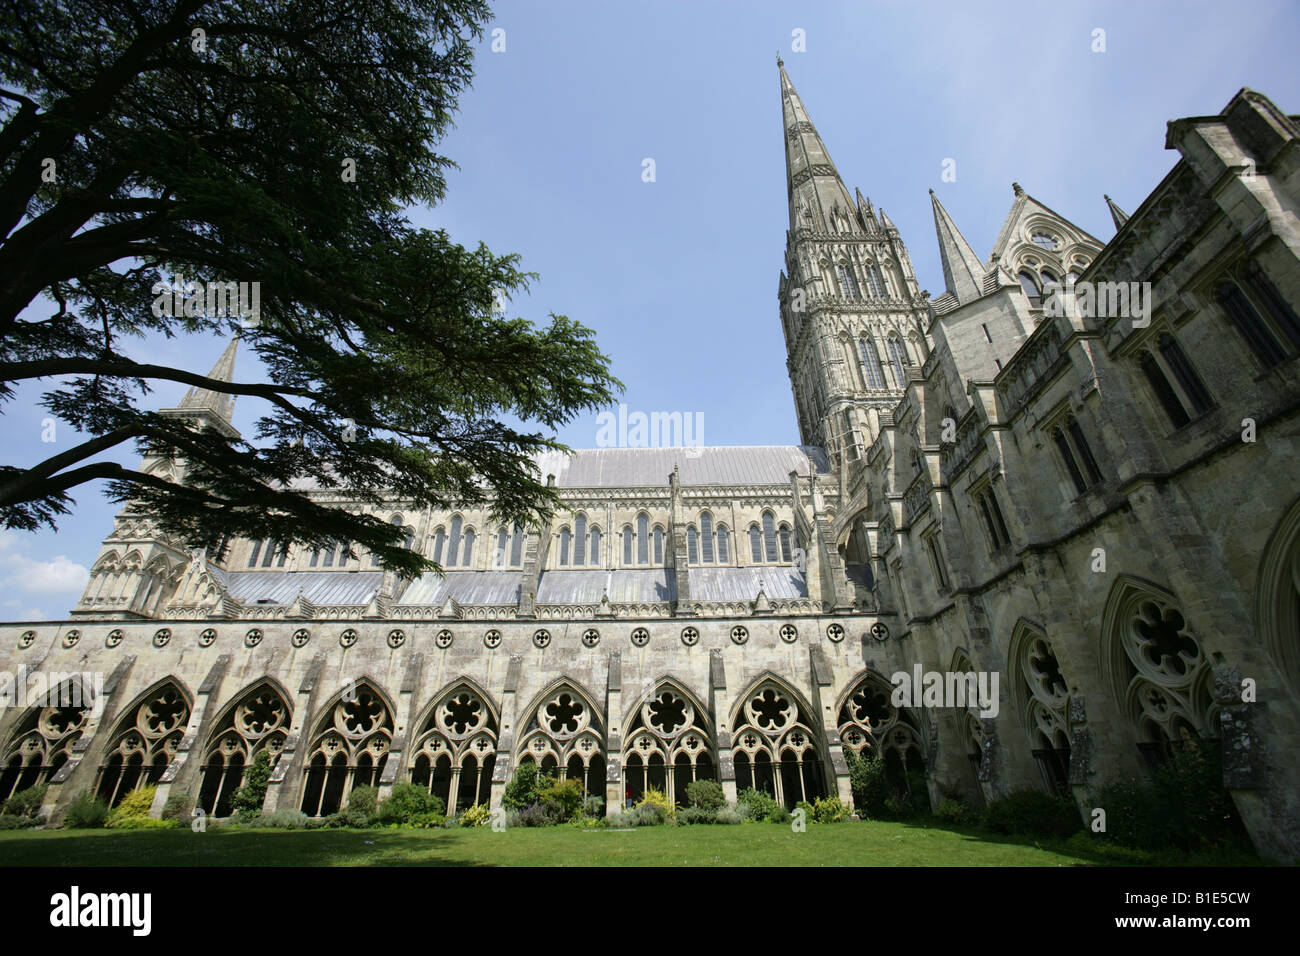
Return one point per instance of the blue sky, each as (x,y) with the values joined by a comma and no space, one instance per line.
(678,277)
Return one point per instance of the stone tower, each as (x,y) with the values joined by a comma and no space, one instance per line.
(853,315)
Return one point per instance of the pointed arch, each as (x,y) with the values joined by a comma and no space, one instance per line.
(560,723)
(144,739)
(255,719)
(772,727)
(1040,694)
(349,744)
(42,739)
(455,745)
(1277,596)
(670,742)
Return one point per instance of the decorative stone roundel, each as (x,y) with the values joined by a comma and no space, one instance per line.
(301,637)
(444,638)
(739,634)
(396,637)
(348,638)
(640,637)
(253,638)
(161,637)
(789,633)
(835,632)
(492,638)
(541,637)
(690,636)
(70,639)
(591,637)
(114,638)
(880,632)
(27,638)
(209,635)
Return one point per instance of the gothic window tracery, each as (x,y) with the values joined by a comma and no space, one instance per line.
(871,726)
(1043,696)
(144,742)
(455,748)
(775,749)
(669,744)
(42,741)
(871,363)
(349,749)
(564,735)
(259,721)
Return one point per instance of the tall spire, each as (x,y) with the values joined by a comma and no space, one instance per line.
(1118,215)
(221,404)
(818,199)
(963,273)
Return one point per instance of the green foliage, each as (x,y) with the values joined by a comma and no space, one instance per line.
(357,818)
(705,795)
(694,815)
(593,807)
(563,798)
(757,805)
(525,787)
(1030,812)
(26,803)
(13,821)
(250,797)
(729,817)
(87,811)
(648,815)
(363,317)
(179,806)
(427,821)
(286,819)
(479,815)
(131,813)
(951,810)
(658,802)
(364,799)
(869,785)
(1185,806)
(829,810)
(408,801)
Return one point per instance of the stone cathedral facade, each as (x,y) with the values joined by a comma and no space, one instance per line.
(1104,512)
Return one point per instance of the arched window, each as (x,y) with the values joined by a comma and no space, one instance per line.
(627,545)
(1185,372)
(351,743)
(580,540)
(784,536)
(252,558)
(455,749)
(706,534)
(642,539)
(517,546)
(1251,325)
(1030,285)
(1049,281)
(724,545)
(453,542)
(467,560)
(259,721)
(502,537)
(874,284)
(769,537)
(692,545)
(871,363)
(898,358)
(328,561)
(144,742)
(755,544)
(564,545)
(848,284)
(1163,390)
(659,545)
(439,539)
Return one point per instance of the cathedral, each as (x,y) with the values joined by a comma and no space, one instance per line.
(1097,506)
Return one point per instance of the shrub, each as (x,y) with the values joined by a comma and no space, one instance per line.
(594,807)
(87,811)
(26,803)
(648,815)
(951,810)
(621,820)
(692,815)
(363,800)
(807,809)
(562,797)
(13,821)
(757,804)
(178,807)
(427,821)
(525,787)
(287,819)
(537,815)
(133,812)
(1030,812)
(334,820)
(729,817)
(408,801)
(829,810)
(357,818)
(705,795)
(869,785)
(657,800)
(779,815)
(1185,806)
(478,815)
(257,777)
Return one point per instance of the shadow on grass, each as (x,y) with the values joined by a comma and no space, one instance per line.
(1091,851)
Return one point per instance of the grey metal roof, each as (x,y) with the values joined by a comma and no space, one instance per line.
(719,465)
(465,587)
(741,584)
(318,587)
(625,586)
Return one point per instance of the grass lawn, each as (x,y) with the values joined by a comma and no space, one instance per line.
(869,843)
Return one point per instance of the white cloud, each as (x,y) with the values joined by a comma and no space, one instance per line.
(24,578)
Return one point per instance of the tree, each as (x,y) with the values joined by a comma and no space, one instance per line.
(146,145)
